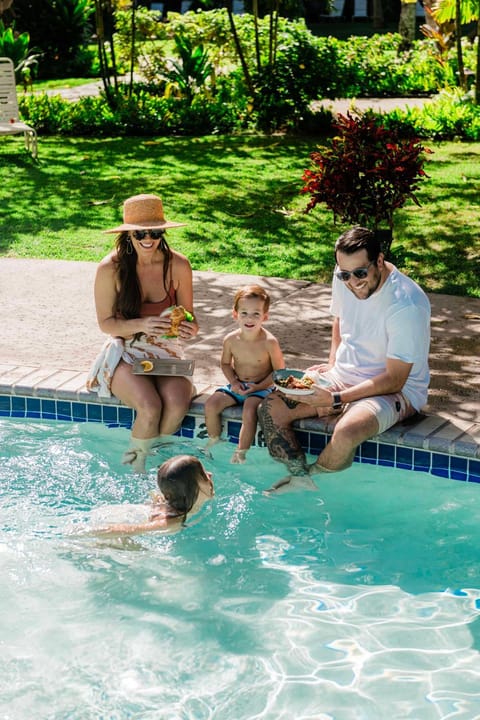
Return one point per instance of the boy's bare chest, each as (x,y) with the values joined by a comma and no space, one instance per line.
(253,352)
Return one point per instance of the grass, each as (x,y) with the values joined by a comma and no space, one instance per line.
(240,199)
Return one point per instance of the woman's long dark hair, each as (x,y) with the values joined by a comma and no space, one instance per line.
(177,480)
(129,300)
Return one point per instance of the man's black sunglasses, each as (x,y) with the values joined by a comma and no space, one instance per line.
(360,273)
(142,234)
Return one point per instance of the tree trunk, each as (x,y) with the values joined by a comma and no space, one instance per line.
(238,46)
(477,71)
(462,80)
(407,22)
(104,31)
(378,16)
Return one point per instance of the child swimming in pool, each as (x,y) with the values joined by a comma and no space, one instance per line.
(184,486)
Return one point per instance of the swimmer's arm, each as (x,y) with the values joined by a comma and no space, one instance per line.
(122,529)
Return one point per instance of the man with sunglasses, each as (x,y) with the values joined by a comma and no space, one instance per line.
(377,373)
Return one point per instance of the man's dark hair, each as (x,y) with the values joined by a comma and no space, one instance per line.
(359,238)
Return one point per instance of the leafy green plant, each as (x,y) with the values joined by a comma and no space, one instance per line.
(463,12)
(61,30)
(366,172)
(452,115)
(15,46)
(192,70)
(138,114)
(148,50)
(285,89)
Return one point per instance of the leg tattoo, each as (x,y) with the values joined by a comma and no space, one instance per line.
(282,441)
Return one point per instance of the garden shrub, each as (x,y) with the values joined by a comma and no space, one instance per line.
(306,68)
(141,114)
(61,31)
(379,67)
(451,116)
(47,114)
(286,89)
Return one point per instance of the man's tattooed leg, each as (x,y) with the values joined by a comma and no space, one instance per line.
(281,440)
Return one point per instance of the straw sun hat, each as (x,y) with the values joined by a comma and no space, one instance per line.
(143,212)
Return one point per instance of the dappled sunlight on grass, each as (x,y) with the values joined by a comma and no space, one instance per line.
(240,199)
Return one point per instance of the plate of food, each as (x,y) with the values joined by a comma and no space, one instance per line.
(294,382)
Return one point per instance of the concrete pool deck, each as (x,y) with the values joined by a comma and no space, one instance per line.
(50,337)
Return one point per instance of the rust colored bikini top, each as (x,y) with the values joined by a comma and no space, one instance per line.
(155,308)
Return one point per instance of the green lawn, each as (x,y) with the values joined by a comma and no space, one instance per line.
(240,199)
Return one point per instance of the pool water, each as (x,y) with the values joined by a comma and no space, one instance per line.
(361,600)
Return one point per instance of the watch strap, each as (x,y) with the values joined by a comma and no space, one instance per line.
(336,401)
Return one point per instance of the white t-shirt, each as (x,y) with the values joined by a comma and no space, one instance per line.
(394,322)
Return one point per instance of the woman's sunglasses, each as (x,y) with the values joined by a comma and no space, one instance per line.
(142,234)
(360,273)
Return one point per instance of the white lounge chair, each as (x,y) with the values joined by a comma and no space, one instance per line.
(10,123)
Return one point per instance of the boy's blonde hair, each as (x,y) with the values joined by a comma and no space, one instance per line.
(252,291)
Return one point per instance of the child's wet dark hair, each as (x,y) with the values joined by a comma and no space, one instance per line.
(178,480)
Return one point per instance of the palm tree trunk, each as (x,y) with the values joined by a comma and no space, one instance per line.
(462,80)
(241,56)
(406,25)
(378,16)
(257,36)
(477,70)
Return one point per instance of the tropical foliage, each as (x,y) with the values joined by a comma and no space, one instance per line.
(61,31)
(463,11)
(366,172)
(16,47)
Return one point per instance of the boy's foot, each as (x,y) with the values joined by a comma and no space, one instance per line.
(290,483)
(238,457)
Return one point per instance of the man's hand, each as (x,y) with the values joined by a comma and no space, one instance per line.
(320,397)
(324,367)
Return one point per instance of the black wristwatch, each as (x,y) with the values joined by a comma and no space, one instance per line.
(336,401)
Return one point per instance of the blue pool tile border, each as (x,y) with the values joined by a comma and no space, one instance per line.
(384,450)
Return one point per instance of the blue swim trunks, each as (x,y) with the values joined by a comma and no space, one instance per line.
(241,398)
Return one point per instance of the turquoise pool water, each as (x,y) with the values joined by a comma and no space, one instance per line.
(361,600)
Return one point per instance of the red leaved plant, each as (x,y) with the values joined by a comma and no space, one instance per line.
(366,173)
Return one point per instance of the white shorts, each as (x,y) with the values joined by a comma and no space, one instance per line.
(388,409)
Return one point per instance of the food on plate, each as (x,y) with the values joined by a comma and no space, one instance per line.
(293,383)
(147,365)
(177,315)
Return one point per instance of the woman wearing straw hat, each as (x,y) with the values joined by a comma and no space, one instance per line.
(137,282)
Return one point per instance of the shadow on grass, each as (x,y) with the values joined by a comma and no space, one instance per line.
(240,197)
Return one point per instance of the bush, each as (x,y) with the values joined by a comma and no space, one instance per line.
(61,30)
(306,67)
(367,171)
(379,67)
(451,116)
(141,114)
